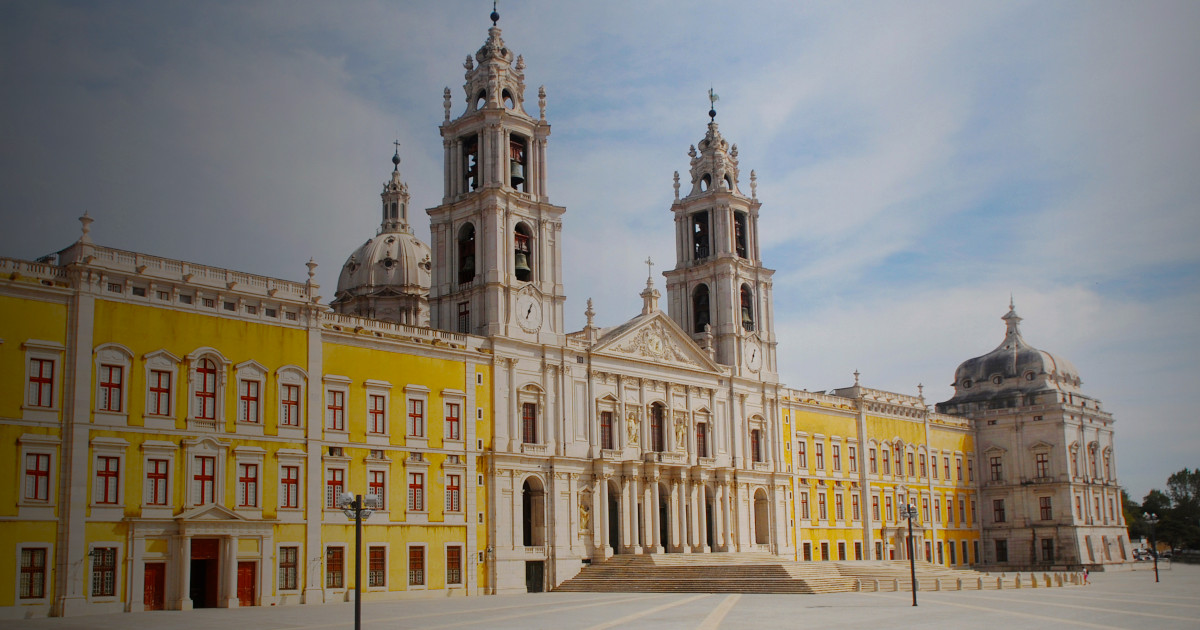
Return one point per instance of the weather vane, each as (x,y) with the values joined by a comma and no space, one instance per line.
(712,102)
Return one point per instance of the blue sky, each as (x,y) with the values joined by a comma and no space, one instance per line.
(918,162)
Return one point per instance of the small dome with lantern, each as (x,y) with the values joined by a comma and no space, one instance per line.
(388,277)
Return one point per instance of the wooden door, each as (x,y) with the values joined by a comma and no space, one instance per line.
(155,585)
(245,583)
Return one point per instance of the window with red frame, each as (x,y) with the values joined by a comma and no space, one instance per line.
(837,457)
(204,480)
(335,410)
(1043,465)
(288,567)
(156,481)
(112,383)
(453,564)
(818,455)
(376,485)
(923,464)
(946,460)
(290,479)
(416,566)
(453,421)
(756,453)
(822,510)
(416,492)
(376,566)
(854,509)
(606,430)
(453,494)
(104,571)
(247,485)
(416,418)
(206,390)
(887,463)
(335,482)
(529,423)
(852,453)
(875,508)
(334,567)
(33,573)
(108,480)
(160,393)
(249,402)
(290,402)
(802,453)
(41,382)
(1045,509)
(701,439)
(377,414)
(912,471)
(839,510)
(804,512)
(37,477)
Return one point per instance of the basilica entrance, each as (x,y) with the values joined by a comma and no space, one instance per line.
(205,572)
(614,521)
(664,522)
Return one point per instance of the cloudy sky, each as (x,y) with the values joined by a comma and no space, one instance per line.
(918,162)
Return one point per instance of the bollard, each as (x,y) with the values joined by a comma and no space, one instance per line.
(1017,581)
(959,584)
(999,584)
(937,584)
(1046,576)
(979,584)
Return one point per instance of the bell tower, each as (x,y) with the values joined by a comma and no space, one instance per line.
(719,282)
(496,238)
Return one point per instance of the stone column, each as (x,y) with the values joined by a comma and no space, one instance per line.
(694,510)
(656,517)
(674,510)
(702,520)
(718,542)
(625,520)
(227,597)
(183,564)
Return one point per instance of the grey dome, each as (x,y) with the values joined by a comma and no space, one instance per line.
(1015,373)
(391,263)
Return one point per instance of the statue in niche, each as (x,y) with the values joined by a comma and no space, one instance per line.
(631,428)
(585,514)
(680,433)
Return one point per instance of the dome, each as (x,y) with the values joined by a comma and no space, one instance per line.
(1013,374)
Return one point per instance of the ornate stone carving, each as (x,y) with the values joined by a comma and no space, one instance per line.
(653,342)
(681,431)
(631,427)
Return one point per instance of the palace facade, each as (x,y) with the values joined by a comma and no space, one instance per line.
(178,433)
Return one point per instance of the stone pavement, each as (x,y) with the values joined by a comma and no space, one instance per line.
(1113,600)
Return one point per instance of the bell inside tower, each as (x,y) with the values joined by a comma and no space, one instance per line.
(517,151)
(739,234)
(747,309)
(471,172)
(522,256)
(700,239)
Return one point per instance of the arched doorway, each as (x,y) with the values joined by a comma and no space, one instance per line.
(709,537)
(614,518)
(664,518)
(533,513)
(762,524)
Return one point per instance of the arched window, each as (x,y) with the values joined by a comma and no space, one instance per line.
(507,99)
(739,234)
(517,163)
(700,239)
(533,513)
(480,99)
(700,309)
(657,420)
(747,308)
(523,253)
(728,182)
(705,182)
(466,253)
(471,171)
(756,445)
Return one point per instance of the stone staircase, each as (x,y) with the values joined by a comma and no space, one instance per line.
(759,573)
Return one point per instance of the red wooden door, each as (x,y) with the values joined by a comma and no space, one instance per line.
(245,583)
(156,580)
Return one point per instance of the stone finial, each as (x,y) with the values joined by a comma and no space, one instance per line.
(921,391)
(85,228)
(590,313)
(542,102)
(649,295)
(469,64)
(753,185)
(856,378)
(312,269)
(708,341)
(520,63)
(676,185)
(446,101)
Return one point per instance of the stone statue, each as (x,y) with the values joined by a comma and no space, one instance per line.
(631,428)
(585,515)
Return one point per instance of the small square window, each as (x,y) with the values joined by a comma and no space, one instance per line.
(185,299)
(290,316)
(210,303)
(230,306)
(270,312)
(164,295)
(114,287)
(251,310)
(139,291)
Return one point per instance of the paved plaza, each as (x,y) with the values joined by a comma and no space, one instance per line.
(1113,600)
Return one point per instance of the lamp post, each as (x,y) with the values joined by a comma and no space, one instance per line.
(358,507)
(909,512)
(1152,520)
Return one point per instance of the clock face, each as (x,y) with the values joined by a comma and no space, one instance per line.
(528,313)
(753,356)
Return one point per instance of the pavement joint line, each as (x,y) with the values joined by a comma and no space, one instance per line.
(542,612)
(367,620)
(1107,610)
(638,615)
(714,618)
(1014,613)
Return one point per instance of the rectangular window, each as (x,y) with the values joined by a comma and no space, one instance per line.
(454,565)
(962,511)
(290,405)
(958,468)
(206,390)
(156,481)
(841,551)
(1047,550)
(529,423)
(756,453)
(802,454)
(949,510)
(819,454)
(996,468)
(998,510)
(377,414)
(839,510)
(946,460)
(334,567)
(854,513)
(37,477)
(887,464)
(376,566)
(858,550)
(825,551)
(104,572)
(875,508)
(416,492)
(701,439)
(249,401)
(804,505)
(808,552)
(853,454)
(925,510)
(416,566)
(416,418)
(921,462)
(453,421)
(453,493)
(933,465)
(606,430)
(464,313)
(1045,510)
(871,462)
(33,573)
(112,383)
(1043,465)
(204,480)
(953,555)
(290,492)
(937,510)
(335,410)
(247,485)
(288,568)
(1001,551)
(160,393)
(911,470)
(887,509)
(377,485)
(970,477)
(822,511)
(41,382)
(108,480)
(335,483)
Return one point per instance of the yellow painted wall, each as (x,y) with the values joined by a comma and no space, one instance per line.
(22,319)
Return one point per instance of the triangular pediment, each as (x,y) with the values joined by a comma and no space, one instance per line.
(654,338)
(211,512)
